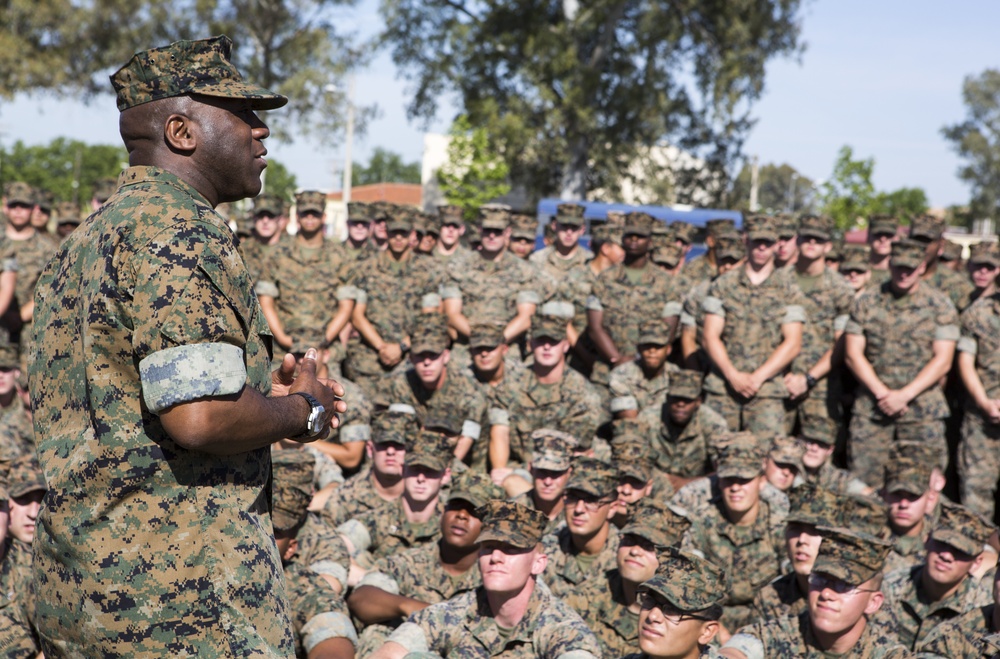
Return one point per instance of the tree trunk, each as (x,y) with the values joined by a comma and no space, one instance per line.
(574,177)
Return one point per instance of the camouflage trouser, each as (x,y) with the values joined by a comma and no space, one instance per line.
(871,441)
(764,417)
(979,462)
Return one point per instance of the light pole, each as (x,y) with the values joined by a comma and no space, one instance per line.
(350,135)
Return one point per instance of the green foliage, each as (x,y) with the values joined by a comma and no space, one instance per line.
(849,196)
(278,180)
(67,48)
(977,141)
(576,92)
(66,168)
(780,188)
(474,174)
(384,166)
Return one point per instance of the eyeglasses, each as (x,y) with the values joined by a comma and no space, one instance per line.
(819,581)
(590,503)
(649,600)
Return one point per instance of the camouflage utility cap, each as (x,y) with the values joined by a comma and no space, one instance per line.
(926,227)
(730,246)
(548,327)
(851,557)
(951,252)
(816,226)
(44,199)
(292,471)
(512,524)
(428,449)
(856,257)
(394,427)
(552,449)
(494,217)
(632,455)
(819,429)
(188,67)
(19,192)
(683,231)
(523,226)
(25,476)
(815,505)
(270,204)
(605,232)
(688,581)
(451,214)
(787,226)
(486,335)
(570,214)
(617,218)
(740,456)
(909,468)
(448,420)
(639,224)
(657,523)
(685,384)
(430,334)
(720,226)
(9,357)
(654,332)
(986,252)
(67,212)
(836,253)
(476,488)
(667,255)
(359,211)
(962,528)
(401,219)
(787,451)
(907,253)
(310,201)
(594,477)
(762,227)
(882,225)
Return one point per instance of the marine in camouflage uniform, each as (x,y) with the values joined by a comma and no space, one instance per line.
(929,231)
(427,574)
(392,291)
(638,479)
(551,461)
(369,488)
(750,551)
(608,602)
(730,250)
(639,384)
(412,520)
(586,546)
(963,637)
(359,245)
(748,324)
(605,239)
(18,638)
(846,559)
(681,605)
(306,287)
(626,293)
(450,222)
(892,336)
(683,439)
(908,489)
(568,404)
(318,612)
(705,266)
(467,627)
(155,283)
(26,486)
(882,230)
(257,248)
(979,365)
(818,436)
(827,302)
(912,608)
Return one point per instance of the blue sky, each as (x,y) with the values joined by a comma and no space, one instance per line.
(882,76)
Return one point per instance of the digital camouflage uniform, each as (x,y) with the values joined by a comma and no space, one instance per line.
(956,286)
(979,452)
(631,390)
(15,569)
(319,613)
(909,469)
(354,498)
(18,639)
(754,316)
(459,397)
(394,293)
(567,284)
(899,333)
(490,290)
(702,494)
(961,637)
(683,451)
(30,255)
(463,628)
(154,279)
(781,598)
(255,252)
(729,246)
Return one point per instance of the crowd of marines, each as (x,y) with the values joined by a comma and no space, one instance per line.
(618,451)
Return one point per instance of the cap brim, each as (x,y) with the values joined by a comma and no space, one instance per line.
(905,262)
(260,98)
(739,471)
(958,541)
(518,540)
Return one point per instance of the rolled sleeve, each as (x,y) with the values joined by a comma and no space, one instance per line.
(346,293)
(713,305)
(402,408)
(471,429)
(331,569)
(430,300)
(968,344)
(751,646)
(840,322)
(356,532)
(361,296)
(325,626)
(451,292)
(624,403)
(528,297)
(947,333)
(185,373)
(594,304)
(687,320)
(268,288)
(380,580)
(411,636)
(10,265)
(794,313)
(559,309)
(853,327)
(672,308)
(357,432)
(498,416)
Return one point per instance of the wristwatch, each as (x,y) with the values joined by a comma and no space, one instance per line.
(810,381)
(314,424)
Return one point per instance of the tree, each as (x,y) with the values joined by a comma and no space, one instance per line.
(780,188)
(385,166)
(904,203)
(67,48)
(849,196)
(474,174)
(279,181)
(66,168)
(574,91)
(977,141)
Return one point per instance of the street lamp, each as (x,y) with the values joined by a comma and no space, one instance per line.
(331,88)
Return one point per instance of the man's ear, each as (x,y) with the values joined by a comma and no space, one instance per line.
(179,134)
